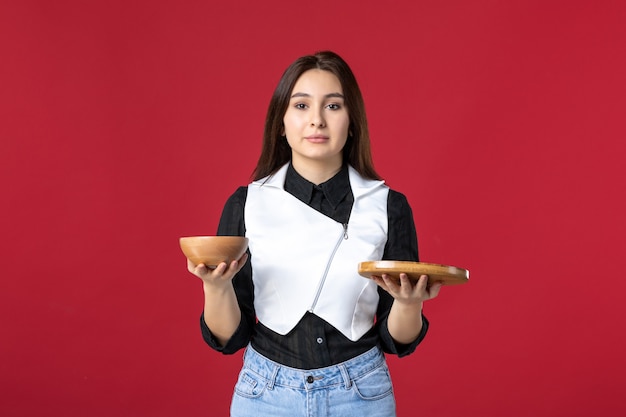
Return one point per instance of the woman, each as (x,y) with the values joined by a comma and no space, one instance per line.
(313,329)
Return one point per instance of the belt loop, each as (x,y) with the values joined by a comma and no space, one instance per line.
(273,377)
(346,377)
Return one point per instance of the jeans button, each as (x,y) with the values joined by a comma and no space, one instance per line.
(310,379)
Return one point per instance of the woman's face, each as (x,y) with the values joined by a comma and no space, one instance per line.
(317,121)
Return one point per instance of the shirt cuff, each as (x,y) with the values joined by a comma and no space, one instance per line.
(391,346)
(239,339)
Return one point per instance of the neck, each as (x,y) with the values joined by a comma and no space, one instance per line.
(316,172)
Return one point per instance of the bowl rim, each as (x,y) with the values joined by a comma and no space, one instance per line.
(208,237)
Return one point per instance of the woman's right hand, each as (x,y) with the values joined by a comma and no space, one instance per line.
(221,309)
(219,276)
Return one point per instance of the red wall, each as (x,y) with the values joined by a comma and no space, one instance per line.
(126,124)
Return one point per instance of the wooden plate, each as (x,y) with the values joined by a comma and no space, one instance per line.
(447,275)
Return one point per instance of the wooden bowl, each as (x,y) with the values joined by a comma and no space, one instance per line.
(213,250)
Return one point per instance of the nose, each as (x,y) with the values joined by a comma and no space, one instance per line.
(317,119)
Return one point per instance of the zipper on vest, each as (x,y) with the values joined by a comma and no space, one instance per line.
(344,236)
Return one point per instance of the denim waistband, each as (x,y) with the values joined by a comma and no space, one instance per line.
(342,373)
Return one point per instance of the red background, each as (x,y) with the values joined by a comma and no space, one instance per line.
(126,124)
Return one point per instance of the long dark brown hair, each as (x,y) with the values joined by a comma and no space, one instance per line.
(276,151)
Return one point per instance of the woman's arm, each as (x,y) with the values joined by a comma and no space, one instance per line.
(221,309)
(228,317)
(403,318)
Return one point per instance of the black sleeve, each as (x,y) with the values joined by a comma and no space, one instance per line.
(232,224)
(401,246)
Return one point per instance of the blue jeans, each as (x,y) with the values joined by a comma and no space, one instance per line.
(358,387)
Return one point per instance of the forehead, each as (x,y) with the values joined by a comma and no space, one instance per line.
(316,81)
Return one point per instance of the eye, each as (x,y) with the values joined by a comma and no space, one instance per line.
(300,106)
(334,106)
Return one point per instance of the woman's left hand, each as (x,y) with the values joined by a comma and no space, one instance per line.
(407,293)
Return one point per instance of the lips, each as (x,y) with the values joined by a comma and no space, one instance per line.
(317,138)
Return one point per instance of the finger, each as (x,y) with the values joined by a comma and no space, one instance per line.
(221,267)
(434,290)
(391,283)
(241,262)
(190,266)
(422,283)
(379,281)
(405,284)
(200,270)
(233,263)
(236,265)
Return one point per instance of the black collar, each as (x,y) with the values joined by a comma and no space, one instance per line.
(335,189)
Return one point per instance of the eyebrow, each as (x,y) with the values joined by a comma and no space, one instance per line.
(330,95)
